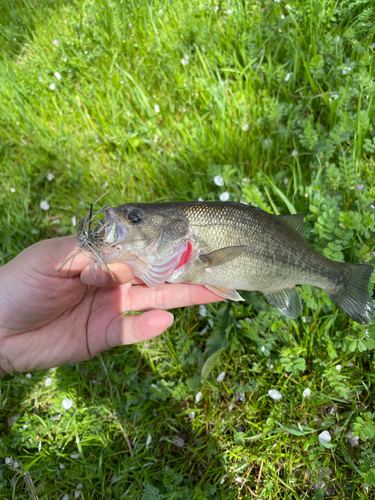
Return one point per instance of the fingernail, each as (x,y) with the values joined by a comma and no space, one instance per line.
(100,280)
(172,319)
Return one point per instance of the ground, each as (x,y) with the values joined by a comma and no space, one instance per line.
(265,102)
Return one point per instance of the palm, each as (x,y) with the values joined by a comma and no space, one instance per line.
(48,319)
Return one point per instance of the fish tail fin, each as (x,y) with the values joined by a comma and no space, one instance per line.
(352,295)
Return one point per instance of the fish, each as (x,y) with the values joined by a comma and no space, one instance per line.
(226,247)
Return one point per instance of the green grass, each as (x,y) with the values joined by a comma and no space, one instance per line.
(266,94)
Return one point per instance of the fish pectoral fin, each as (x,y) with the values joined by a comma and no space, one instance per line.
(227,293)
(222,256)
(287,301)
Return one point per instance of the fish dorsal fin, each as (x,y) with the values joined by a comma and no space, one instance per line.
(287,301)
(222,256)
(295,221)
(227,293)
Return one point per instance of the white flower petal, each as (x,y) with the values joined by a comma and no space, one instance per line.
(48,382)
(203,310)
(192,415)
(218,180)
(57,75)
(306,393)
(324,437)
(178,441)
(155,387)
(61,466)
(28,375)
(12,190)
(67,403)
(274,394)
(50,176)
(354,441)
(220,377)
(198,397)
(224,196)
(157,109)
(149,439)
(44,205)
(74,220)
(52,86)
(75,456)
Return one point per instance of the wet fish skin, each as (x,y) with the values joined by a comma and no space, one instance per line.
(233,246)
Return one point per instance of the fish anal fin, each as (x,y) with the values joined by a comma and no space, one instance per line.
(222,256)
(295,221)
(287,301)
(226,293)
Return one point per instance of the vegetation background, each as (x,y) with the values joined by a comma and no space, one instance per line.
(154,100)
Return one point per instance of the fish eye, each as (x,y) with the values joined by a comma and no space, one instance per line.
(135,215)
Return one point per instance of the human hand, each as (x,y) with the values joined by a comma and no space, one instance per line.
(48,319)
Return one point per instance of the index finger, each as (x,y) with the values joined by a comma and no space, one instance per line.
(168,296)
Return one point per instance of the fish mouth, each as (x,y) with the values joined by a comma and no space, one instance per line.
(114,231)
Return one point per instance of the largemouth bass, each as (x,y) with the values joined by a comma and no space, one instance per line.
(228,247)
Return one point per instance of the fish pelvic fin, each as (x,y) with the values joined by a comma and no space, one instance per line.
(352,296)
(287,301)
(223,255)
(226,293)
